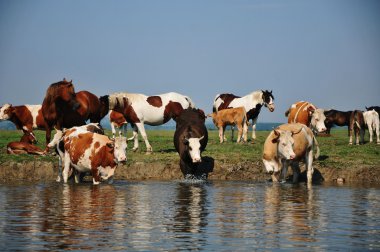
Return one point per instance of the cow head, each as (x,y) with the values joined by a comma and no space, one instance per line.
(194,148)
(268,100)
(5,111)
(285,142)
(317,120)
(28,137)
(120,147)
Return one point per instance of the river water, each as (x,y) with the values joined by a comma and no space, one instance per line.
(184,215)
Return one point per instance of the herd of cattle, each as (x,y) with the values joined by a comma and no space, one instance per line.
(83,147)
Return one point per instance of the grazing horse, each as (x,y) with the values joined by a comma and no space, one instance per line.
(336,117)
(252,103)
(139,109)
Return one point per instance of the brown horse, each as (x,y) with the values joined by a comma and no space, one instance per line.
(336,117)
(63,108)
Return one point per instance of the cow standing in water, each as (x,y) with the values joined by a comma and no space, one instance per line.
(252,104)
(190,140)
(307,114)
(139,109)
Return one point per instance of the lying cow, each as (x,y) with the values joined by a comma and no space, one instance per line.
(24,146)
(307,114)
(231,116)
(356,127)
(371,119)
(190,140)
(287,145)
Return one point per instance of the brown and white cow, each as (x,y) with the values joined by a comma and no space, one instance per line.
(93,152)
(371,119)
(25,117)
(287,145)
(356,127)
(117,120)
(232,116)
(307,114)
(24,146)
(190,140)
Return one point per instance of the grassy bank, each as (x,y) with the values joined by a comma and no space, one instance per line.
(336,156)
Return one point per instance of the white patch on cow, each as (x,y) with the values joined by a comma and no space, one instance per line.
(56,138)
(195,149)
(34,111)
(3,115)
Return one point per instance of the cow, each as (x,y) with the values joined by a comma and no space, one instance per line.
(24,146)
(25,117)
(286,145)
(336,117)
(139,109)
(307,114)
(252,104)
(232,116)
(92,152)
(371,119)
(117,120)
(190,140)
(376,108)
(357,127)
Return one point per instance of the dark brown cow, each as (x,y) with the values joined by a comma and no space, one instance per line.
(190,140)
(252,104)
(357,126)
(336,117)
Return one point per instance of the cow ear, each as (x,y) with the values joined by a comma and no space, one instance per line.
(311,110)
(277,136)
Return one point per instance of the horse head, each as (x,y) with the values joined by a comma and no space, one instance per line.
(62,91)
(268,100)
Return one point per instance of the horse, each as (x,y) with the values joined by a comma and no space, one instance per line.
(336,117)
(62,107)
(376,108)
(139,109)
(252,103)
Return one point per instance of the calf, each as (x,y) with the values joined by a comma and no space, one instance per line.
(357,127)
(232,116)
(190,140)
(287,145)
(371,119)
(93,152)
(24,146)
(307,114)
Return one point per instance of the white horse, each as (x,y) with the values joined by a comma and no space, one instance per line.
(139,109)
(251,102)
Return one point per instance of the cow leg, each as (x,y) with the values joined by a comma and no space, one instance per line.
(284,171)
(59,169)
(66,167)
(95,176)
(77,176)
(245,131)
(296,171)
(232,133)
(240,132)
(221,134)
(254,129)
(141,128)
(275,177)
(309,166)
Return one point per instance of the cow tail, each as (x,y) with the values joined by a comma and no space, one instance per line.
(287,112)
(315,144)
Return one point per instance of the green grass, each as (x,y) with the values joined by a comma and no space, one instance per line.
(335,151)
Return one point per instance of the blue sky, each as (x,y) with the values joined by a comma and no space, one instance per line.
(325,52)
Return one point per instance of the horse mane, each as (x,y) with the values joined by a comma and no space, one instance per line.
(52,90)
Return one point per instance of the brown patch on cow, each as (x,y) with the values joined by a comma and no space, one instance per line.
(79,145)
(103,157)
(300,113)
(172,110)
(155,101)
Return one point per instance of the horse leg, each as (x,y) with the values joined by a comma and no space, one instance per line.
(135,137)
(114,130)
(370,133)
(254,129)
(377,133)
(141,128)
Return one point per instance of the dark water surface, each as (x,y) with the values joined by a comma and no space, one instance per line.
(177,215)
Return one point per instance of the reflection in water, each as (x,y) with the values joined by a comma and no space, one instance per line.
(179,215)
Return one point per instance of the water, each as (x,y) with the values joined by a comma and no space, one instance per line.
(178,215)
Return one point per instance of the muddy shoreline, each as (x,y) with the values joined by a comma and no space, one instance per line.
(45,171)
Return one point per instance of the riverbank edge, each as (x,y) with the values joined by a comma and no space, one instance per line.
(46,171)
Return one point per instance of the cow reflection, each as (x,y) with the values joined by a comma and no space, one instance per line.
(191,212)
(292,210)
